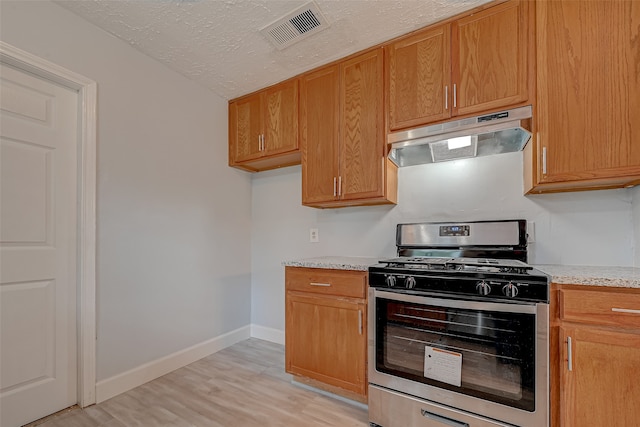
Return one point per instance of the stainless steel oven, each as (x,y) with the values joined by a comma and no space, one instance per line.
(458,341)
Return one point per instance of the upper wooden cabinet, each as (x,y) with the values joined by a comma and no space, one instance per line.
(263,128)
(588,96)
(342,135)
(419,75)
(475,64)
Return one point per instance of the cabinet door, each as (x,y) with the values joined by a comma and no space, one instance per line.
(419,73)
(362,137)
(281,118)
(602,387)
(326,340)
(588,92)
(319,99)
(246,131)
(490,58)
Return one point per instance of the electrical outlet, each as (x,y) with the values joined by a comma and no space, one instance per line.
(531,231)
(313,235)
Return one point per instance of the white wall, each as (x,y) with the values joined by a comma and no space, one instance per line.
(173,219)
(582,228)
(636,223)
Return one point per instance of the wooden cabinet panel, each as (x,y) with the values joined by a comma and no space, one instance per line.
(263,128)
(342,135)
(319,121)
(588,95)
(248,128)
(475,64)
(328,341)
(610,308)
(602,387)
(318,280)
(326,330)
(362,148)
(594,354)
(490,58)
(419,69)
(281,118)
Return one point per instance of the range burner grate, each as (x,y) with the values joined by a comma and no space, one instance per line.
(459,264)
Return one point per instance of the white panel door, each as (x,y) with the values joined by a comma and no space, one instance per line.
(38,230)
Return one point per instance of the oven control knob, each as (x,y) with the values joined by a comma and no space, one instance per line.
(483,288)
(390,281)
(510,290)
(410,282)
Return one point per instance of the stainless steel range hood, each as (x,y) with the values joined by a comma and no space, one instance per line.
(502,132)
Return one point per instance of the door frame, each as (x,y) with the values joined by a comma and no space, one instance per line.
(86,238)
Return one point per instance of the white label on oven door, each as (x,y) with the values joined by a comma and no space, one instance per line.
(443,365)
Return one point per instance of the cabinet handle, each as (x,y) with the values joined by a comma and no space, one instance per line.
(446,97)
(625,310)
(544,160)
(455,96)
(340,185)
(335,191)
(360,321)
(320,284)
(569,355)
(259,142)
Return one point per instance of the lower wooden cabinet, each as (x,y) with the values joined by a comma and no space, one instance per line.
(326,331)
(597,356)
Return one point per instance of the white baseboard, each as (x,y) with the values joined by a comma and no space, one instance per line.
(107,388)
(329,394)
(267,334)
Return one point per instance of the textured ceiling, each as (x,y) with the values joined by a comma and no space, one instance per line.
(217,43)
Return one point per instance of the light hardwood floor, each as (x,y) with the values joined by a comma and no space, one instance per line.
(243,385)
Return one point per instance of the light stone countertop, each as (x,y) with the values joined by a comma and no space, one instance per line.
(621,277)
(335,263)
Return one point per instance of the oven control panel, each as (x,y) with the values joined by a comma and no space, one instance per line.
(454,230)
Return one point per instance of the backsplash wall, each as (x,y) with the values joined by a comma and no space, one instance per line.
(582,228)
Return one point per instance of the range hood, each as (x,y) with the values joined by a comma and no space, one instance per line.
(502,132)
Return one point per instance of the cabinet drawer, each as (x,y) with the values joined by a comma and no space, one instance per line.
(330,282)
(602,307)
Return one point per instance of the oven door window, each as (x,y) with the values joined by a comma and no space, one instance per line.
(485,354)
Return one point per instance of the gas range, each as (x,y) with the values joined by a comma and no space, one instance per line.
(478,260)
(480,278)
(458,328)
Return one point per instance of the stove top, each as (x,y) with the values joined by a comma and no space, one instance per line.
(475,278)
(487,265)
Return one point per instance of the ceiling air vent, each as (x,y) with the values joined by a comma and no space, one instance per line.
(295,26)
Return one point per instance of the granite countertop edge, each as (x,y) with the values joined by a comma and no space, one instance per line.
(620,277)
(334,263)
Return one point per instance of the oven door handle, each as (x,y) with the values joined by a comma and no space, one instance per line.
(442,420)
(527,308)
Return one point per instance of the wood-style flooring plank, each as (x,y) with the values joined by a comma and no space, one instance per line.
(244,385)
